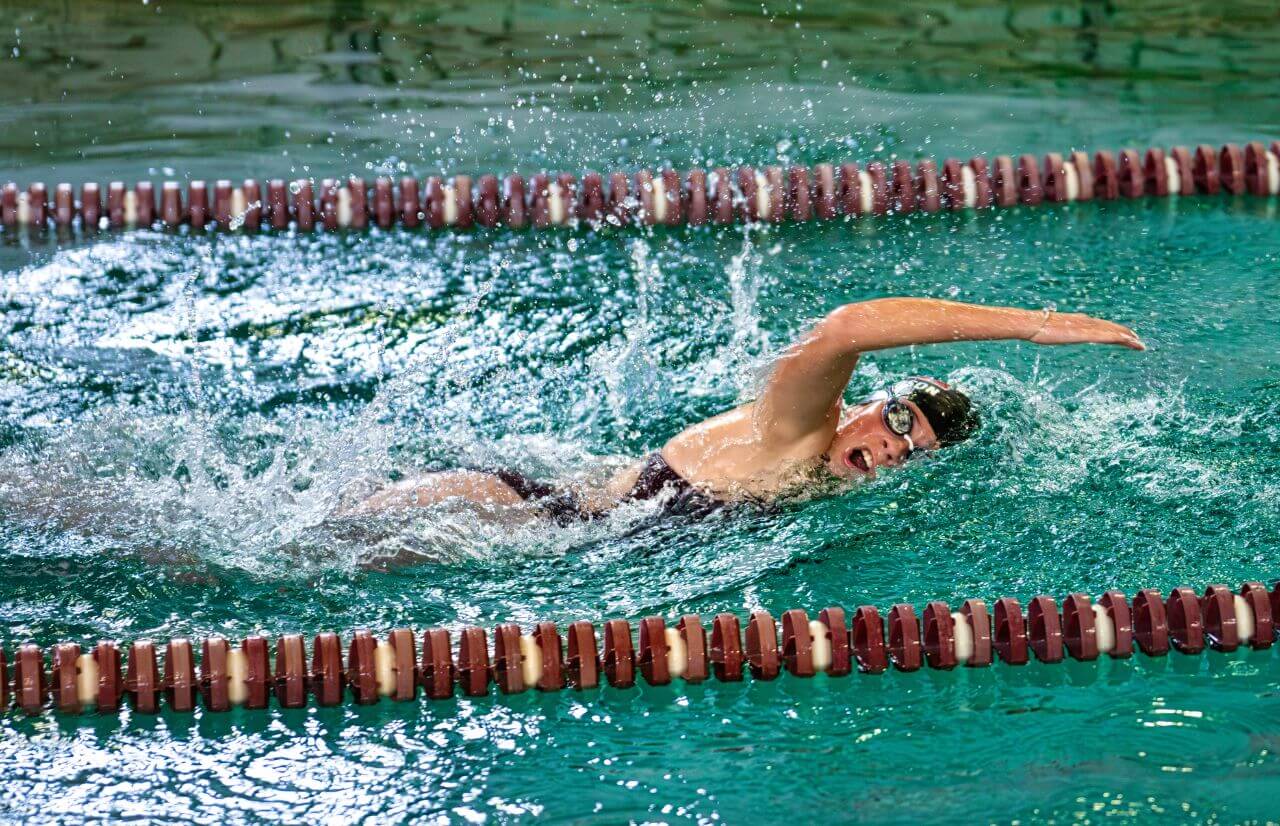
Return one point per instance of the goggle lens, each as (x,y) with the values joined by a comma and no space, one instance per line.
(898,417)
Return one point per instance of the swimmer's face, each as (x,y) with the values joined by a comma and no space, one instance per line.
(864,441)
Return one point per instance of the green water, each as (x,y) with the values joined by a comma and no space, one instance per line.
(180,413)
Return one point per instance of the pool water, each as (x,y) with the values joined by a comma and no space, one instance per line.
(182,414)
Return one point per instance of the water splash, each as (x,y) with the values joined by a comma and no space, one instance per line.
(1156,450)
(206,485)
(743,361)
(628,367)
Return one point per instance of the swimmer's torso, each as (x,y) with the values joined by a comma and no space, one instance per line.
(726,457)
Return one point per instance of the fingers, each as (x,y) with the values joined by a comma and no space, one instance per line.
(1077,328)
(1110,333)
(1131,341)
(1117,335)
(1125,337)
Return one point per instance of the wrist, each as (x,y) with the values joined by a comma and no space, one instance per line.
(1041,322)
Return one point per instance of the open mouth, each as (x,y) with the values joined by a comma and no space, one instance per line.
(859,459)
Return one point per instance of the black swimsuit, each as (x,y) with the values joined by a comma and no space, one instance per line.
(656,479)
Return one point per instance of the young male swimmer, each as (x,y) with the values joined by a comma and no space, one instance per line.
(798,433)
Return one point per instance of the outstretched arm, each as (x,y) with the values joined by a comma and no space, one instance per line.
(802,396)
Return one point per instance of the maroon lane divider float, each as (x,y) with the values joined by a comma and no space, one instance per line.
(771,194)
(72,680)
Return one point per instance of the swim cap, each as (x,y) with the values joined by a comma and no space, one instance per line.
(950,413)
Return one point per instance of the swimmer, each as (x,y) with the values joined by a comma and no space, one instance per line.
(798,434)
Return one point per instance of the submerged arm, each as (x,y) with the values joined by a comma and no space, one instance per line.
(802,396)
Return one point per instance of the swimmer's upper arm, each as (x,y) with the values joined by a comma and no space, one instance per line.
(802,394)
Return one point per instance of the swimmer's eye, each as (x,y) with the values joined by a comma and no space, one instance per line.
(898,417)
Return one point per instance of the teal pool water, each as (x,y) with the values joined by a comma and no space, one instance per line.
(181,414)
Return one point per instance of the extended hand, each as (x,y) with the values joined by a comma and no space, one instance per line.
(1078,328)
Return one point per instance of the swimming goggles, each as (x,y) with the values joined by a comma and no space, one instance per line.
(898,417)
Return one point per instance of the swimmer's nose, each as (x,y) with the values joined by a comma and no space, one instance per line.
(896,453)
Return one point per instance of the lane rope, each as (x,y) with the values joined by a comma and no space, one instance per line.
(404,665)
(719,196)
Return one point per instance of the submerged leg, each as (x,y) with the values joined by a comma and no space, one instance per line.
(433,488)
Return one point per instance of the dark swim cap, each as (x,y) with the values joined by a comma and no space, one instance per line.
(950,413)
